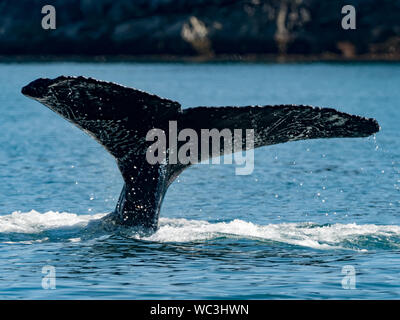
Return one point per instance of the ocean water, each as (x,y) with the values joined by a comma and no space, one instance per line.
(310,210)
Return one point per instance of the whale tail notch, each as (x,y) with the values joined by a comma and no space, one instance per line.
(120,117)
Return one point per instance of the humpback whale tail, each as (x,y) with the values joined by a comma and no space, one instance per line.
(119,118)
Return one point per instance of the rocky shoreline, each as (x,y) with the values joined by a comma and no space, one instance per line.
(200,30)
(388,58)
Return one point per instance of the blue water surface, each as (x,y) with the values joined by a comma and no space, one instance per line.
(285,231)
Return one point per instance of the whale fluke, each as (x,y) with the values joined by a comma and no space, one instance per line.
(120,117)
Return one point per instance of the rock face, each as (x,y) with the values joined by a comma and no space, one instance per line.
(200,27)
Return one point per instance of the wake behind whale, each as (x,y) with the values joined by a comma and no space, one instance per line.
(119,118)
(63,227)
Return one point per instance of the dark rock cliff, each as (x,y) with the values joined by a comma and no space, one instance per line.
(200,27)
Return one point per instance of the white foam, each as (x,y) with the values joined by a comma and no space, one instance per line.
(302,234)
(27,241)
(184,230)
(35,222)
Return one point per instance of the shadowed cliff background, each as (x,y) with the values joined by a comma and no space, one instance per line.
(201,28)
